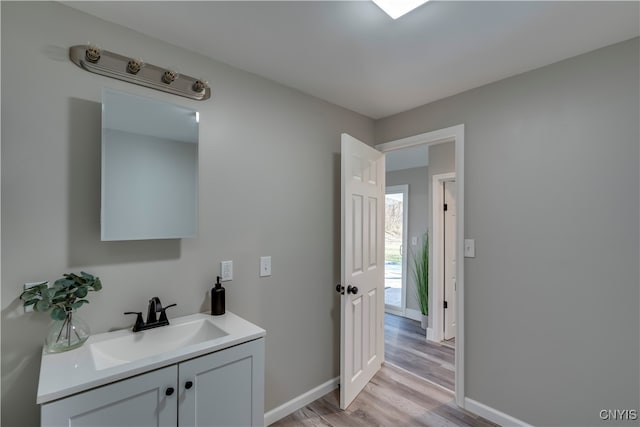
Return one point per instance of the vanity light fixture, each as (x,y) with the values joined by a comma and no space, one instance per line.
(396,8)
(92,53)
(169,76)
(92,58)
(200,85)
(134,66)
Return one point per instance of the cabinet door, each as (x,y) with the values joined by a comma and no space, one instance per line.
(139,401)
(227,388)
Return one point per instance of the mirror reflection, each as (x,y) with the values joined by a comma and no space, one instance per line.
(149,168)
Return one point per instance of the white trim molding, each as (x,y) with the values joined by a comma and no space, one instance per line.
(431,336)
(456,134)
(437,281)
(413,314)
(301,401)
(493,415)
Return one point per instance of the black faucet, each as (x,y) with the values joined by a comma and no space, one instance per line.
(155,306)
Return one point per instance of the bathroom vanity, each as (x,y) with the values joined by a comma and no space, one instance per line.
(201,370)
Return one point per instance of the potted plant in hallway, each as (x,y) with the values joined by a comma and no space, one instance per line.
(63,298)
(421,276)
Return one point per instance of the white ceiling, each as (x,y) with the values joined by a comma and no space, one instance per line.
(352,54)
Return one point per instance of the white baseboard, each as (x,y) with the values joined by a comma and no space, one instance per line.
(413,314)
(395,311)
(431,335)
(493,415)
(300,402)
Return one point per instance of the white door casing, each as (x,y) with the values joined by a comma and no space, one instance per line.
(362,266)
(451,134)
(449,269)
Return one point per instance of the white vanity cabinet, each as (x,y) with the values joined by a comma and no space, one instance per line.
(227,388)
(138,401)
(223,388)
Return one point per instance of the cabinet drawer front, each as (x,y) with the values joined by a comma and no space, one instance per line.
(139,401)
(227,388)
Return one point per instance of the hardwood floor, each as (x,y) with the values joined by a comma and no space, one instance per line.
(406,346)
(398,395)
(393,398)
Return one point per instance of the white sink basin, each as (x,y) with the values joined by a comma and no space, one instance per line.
(113,356)
(139,345)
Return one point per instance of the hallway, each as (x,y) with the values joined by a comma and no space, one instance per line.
(405,345)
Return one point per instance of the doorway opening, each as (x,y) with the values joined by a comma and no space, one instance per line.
(446,246)
(395,244)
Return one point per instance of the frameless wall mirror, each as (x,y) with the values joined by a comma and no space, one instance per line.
(149,168)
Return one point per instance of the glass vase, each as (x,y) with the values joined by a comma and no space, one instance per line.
(67,334)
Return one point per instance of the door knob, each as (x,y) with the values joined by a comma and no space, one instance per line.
(340,289)
(352,290)
(169,391)
(188,385)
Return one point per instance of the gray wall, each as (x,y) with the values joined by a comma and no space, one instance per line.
(419,218)
(551,197)
(269,185)
(551,180)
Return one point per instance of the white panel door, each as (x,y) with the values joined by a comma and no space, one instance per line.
(148,400)
(450,260)
(362,303)
(223,389)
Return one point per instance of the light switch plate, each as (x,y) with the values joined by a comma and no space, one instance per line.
(226,271)
(265,266)
(469,248)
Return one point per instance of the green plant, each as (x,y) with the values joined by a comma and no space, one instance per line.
(66,294)
(421,275)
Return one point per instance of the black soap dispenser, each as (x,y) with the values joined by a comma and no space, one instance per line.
(217,299)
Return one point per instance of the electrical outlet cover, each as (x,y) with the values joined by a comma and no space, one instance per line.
(226,271)
(265,266)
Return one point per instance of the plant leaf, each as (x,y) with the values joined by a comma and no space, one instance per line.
(81,292)
(58,314)
(42,305)
(64,282)
(27,295)
(78,304)
(75,278)
(97,285)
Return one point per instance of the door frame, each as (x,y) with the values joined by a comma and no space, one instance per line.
(455,134)
(404,189)
(437,196)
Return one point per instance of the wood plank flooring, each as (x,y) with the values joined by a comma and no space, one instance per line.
(393,398)
(405,345)
(398,395)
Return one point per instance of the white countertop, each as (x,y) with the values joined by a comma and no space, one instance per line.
(74,371)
